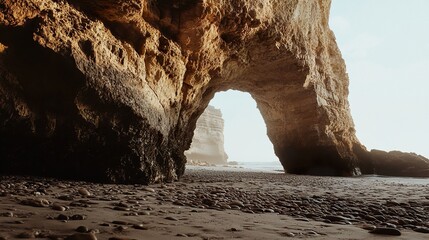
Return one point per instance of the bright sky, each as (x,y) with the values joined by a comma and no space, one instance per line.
(385,44)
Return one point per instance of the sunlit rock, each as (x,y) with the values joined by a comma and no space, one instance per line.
(208,142)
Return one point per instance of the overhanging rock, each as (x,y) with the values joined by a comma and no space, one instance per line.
(109,90)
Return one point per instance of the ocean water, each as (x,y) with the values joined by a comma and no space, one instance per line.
(276,166)
(398,180)
(263,166)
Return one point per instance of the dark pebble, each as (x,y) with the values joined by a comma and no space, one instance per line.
(62,217)
(335,218)
(82,236)
(25,235)
(139,227)
(117,208)
(82,229)
(121,228)
(120,222)
(422,229)
(172,218)
(386,231)
(78,217)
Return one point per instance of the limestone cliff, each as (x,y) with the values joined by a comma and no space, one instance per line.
(208,144)
(110,90)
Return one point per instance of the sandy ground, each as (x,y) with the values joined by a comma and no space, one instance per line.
(215,205)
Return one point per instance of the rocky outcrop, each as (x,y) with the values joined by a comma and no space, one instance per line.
(207,144)
(396,163)
(111,90)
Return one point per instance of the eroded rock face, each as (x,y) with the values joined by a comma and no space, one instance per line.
(208,142)
(396,163)
(111,90)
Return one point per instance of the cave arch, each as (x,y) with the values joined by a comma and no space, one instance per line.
(297,118)
(231,129)
(146,75)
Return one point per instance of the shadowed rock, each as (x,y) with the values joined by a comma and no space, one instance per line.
(396,163)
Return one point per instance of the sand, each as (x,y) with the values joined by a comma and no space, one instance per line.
(215,204)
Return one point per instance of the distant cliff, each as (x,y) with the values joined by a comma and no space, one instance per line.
(207,145)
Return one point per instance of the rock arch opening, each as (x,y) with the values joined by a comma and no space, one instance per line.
(244,138)
(245,130)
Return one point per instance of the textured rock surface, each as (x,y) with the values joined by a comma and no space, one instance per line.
(111,90)
(396,163)
(208,144)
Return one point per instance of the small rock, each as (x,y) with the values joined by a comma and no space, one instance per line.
(82,236)
(94,231)
(368,227)
(82,229)
(118,222)
(181,235)
(26,235)
(334,218)
(236,203)
(172,218)
(120,238)
(131,214)
(148,189)
(40,202)
(302,219)
(421,229)
(139,227)
(84,192)
(288,234)
(44,234)
(390,225)
(78,217)
(62,217)
(66,198)
(121,228)
(58,207)
(386,231)
(117,208)
(269,210)
(209,202)
(147,213)
(7,214)
(313,233)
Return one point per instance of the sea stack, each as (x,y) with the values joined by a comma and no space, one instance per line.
(208,142)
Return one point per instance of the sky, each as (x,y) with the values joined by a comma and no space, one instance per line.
(385,44)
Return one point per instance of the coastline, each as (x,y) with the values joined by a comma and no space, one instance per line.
(208,204)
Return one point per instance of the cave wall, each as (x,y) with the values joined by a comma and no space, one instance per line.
(109,90)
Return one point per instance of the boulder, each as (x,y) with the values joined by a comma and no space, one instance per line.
(396,163)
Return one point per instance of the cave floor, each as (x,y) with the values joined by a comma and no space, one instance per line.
(215,205)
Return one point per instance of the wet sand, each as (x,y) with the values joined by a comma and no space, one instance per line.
(209,204)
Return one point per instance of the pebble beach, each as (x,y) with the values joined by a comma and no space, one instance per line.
(216,204)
